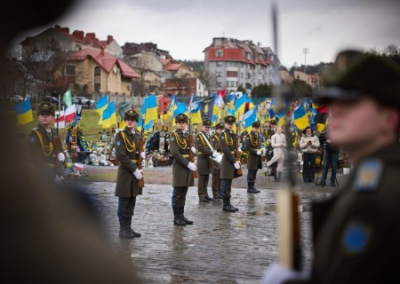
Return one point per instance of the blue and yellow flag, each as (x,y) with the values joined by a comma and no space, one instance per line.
(249,118)
(240,102)
(180,108)
(207,108)
(300,117)
(109,116)
(149,108)
(101,105)
(195,113)
(24,112)
(147,127)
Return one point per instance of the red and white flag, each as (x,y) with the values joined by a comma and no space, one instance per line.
(221,93)
(70,113)
(60,119)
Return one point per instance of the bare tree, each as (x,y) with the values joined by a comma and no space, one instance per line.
(207,79)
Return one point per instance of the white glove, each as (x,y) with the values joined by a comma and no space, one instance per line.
(214,154)
(137,174)
(277,274)
(143,155)
(236,165)
(61,157)
(258,153)
(193,150)
(192,167)
(240,150)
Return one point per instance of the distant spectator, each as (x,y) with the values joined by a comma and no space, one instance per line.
(309,145)
(331,158)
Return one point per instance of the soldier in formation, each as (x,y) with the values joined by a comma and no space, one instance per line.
(204,166)
(255,150)
(215,179)
(42,145)
(182,169)
(229,142)
(127,152)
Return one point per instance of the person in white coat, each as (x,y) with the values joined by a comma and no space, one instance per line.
(278,142)
(309,144)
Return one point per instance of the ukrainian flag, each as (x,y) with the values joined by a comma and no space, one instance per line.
(180,108)
(300,118)
(109,116)
(240,104)
(249,118)
(195,113)
(24,112)
(146,127)
(150,108)
(101,105)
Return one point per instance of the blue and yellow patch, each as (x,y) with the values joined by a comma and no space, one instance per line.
(172,138)
(222,137)
(356,238)
(118,143)
(368,175)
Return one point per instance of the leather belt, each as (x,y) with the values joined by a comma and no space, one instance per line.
(135,161)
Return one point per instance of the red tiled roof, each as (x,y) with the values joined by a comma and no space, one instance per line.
(173,67)
(106,61)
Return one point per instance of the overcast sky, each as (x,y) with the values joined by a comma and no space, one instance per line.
(185,28)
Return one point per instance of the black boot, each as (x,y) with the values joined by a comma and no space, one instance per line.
(187,221)
(250,188)
(135,234)
(178,217)
(124,231)
(227,205)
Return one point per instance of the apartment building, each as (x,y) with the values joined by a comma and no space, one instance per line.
(234,62)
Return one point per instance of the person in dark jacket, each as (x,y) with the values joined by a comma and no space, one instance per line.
(127,152)
(356,231)
(331,158)
(215,179)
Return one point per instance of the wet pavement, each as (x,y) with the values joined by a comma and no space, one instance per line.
(220,247)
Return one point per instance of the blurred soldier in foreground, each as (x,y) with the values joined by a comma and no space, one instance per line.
(181,169)
(356,233)
(254,146)
(49,234)
(127,152)
(204,166)
(216,181)
(42,146)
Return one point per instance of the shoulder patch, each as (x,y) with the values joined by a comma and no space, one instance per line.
(368,175)
(118,143)
(172,138)
(198,139)
(247,138)
(222,137)
(356,237)
(32,139)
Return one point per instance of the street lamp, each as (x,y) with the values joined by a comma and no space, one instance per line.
(305,51)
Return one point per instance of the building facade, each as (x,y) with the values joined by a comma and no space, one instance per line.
(233,63)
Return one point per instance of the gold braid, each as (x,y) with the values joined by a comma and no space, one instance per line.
(202,141)
(181,144)
(130,147)
(229,143)
(47,150)
(253,142)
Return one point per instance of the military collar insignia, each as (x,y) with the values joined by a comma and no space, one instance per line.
(368,175)
(356,237)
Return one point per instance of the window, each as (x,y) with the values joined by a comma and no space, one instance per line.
(219,64)
(219,84)
(248,55)
(70,70)
(232,74)
(97,78)
(241,75)
(248,75)
(219,53)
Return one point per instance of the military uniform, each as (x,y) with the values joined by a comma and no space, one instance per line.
(356,232)
(181,175)
(215,180)
(41,144)
(254,148)
(127,152)
(203,164)
(228,144)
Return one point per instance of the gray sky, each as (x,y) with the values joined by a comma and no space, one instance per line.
(185,28)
